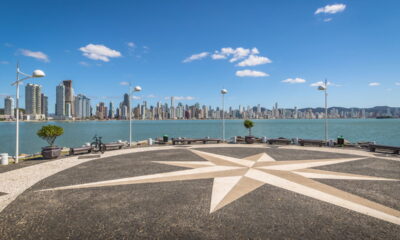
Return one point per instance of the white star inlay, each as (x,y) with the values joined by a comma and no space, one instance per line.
(234,178)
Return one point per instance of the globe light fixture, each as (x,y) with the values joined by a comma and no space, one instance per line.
(324,88)
(136,89)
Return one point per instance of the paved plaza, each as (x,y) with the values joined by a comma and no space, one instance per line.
(211,191)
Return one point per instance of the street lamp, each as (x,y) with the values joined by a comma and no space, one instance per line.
(136,89)
(223,92)
(35,74)
(324,88)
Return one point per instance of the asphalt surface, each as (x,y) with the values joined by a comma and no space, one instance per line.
(181,209)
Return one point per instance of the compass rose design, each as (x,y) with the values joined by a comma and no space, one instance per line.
(235,177)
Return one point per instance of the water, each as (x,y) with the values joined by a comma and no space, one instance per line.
(383,131)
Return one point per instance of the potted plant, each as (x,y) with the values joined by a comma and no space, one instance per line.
(50,133)
(249,124)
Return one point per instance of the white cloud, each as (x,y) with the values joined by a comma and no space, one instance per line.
(374,84)
(328,19)
(254,51)
(4,62)
(196,57)
(99,52)
(239,53)
(294,80)
(38,55)
(124,83)
(216,56)
(136,97)
(331,9)
(83,63)
(234,54)
(131,44)
(253,60)
(180,98)
(188,98)
(250,73)
(397,84)
(151,96)
(322,84)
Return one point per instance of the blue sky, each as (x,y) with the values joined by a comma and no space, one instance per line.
(192,49)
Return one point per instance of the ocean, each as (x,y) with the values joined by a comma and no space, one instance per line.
(383,131)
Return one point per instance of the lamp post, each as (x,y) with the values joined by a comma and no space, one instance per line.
(223,92)
(325,89)
(35,74)
(136,89)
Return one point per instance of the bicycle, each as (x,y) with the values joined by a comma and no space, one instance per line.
(98,145)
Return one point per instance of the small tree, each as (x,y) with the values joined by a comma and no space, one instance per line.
(50,133)
(248,124)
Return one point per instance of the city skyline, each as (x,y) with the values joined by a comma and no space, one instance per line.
(71,106)
(271,52)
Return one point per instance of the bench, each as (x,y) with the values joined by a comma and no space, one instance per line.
(111,146)
(303,142)
(80,150)
(190,140)
(373,147)
(279,141)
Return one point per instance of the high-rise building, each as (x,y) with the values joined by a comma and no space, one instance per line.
(69,96)
(82,106)
(111,111)
(45,106)
(126,101)
(9,106)
(33,99)
(101,111)
(60,101)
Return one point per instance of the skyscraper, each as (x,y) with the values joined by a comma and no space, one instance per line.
(45,105)
(82,106)
(69,95)
(126,101)
(172,110)
(60,101)
(9,106)
(111,111)
(33,100)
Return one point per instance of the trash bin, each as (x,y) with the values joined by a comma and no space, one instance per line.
(165,138)
(233,139)
(340,140)
(4,158)
(264,139)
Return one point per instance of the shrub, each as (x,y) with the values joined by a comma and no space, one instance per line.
(50,133)
(248,124)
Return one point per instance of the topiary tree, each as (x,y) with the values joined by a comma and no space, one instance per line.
(50,133)
(248,124)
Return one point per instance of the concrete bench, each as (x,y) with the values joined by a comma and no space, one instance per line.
(190,140)
(80,150)
(373,147)
(279,141)
(303,142)
(111,146)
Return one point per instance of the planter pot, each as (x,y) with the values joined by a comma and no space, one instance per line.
(51,152)
(249,139)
